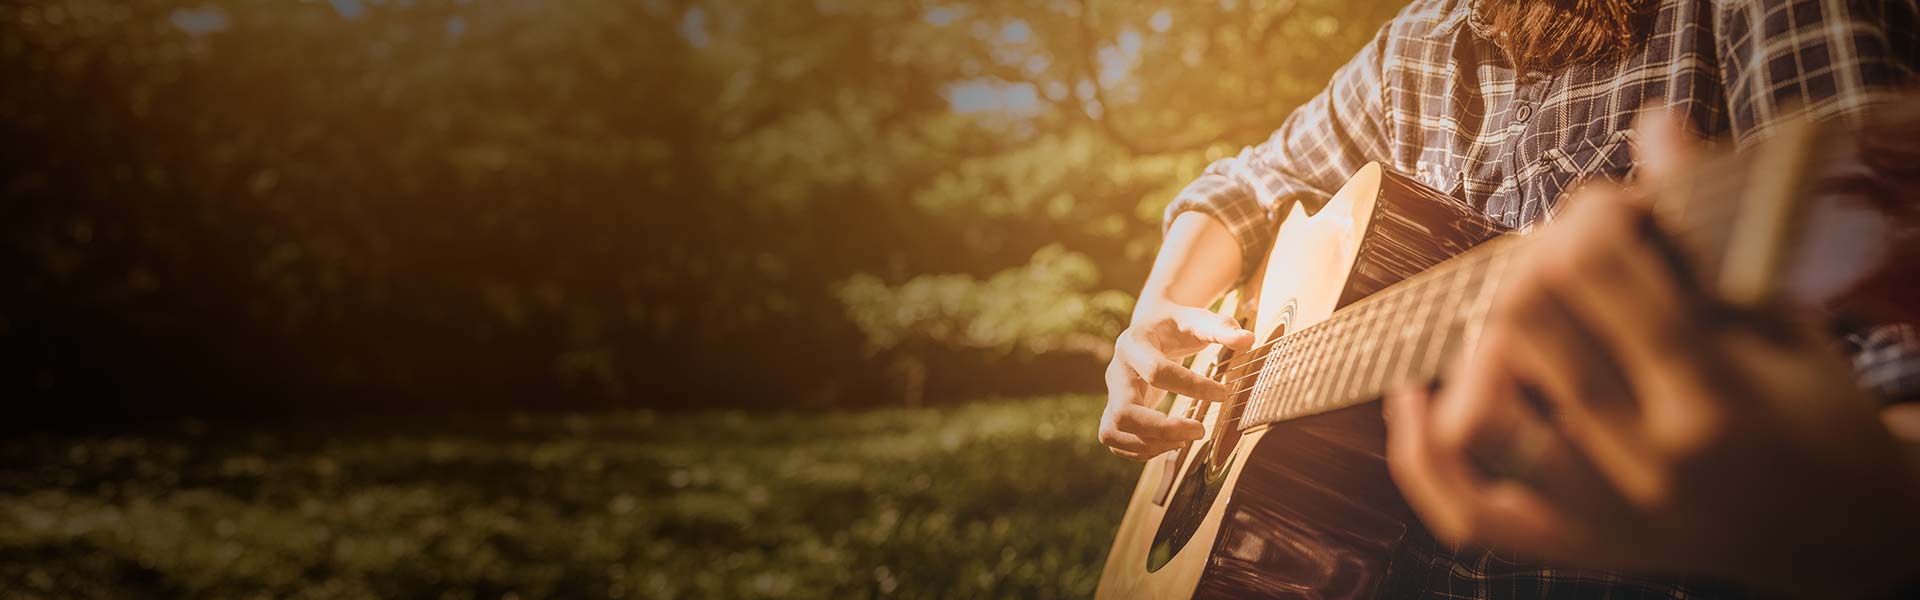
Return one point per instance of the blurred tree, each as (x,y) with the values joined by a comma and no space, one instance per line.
(433,204)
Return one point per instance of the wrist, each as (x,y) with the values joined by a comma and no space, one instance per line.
(1151,305)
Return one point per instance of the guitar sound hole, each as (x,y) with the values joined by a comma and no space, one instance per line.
(1192,498)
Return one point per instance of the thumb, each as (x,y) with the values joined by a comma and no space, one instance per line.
(1213,328)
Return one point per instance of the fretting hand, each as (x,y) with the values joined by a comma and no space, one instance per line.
(1610,417)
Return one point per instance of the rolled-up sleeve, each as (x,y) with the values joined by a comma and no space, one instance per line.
(1306,160)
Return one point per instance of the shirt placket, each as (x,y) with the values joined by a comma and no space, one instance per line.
(1528,90)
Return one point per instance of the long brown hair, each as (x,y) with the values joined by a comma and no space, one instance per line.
(1550,34)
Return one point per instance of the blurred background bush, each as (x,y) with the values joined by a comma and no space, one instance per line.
(594,298)
(244,207)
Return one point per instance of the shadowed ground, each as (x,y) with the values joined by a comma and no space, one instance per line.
(1007,499)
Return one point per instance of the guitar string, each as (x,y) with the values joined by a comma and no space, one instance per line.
(1485,276)
(1496,278)
(1279,344)
(1662,202)
(1243,415)
(1264,349)
(1350,312)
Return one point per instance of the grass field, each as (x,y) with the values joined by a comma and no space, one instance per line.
(995,499)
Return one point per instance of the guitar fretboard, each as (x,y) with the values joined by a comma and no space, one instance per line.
(1402,334)
(1409,331)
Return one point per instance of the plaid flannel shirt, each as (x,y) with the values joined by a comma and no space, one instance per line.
(1433,97)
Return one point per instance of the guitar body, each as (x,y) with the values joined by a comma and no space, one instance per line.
(1288,495)
(1302,508)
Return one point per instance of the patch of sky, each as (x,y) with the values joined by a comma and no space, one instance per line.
(200,21)
(456,27)
(1016,32)
(693,27)
(993,96)
(1057,90)
(942,16)
(1161,21)
(1118,59)
(348,9)
(1038,64)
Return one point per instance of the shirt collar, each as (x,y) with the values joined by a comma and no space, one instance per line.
(1461,11)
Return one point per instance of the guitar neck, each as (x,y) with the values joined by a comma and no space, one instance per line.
(1403,334)
(1408,332)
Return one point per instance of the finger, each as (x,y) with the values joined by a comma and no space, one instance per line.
(1492,420)
(1629,296)
(1125,443)
(1155,426)
(1436,491)
(1130,445)
(1516,517)
(1451,501)
(1476,411)
(1536,323)
(1666,148)
(1150,366)
(1124,388)
(1580,384)
(1207,327)
(1133,456)
(1541,451)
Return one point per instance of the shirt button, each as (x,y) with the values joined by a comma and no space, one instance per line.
(1524,112)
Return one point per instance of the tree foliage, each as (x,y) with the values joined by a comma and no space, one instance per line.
(661,202)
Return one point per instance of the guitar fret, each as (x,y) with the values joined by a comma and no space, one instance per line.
(1369,350)
(1302,372)
(1343,379)
(1474,280)
(1443,323)
(1343,376)
(1256,401)
(1489,285)
(1423,328)
(1323,372)
(1289,375)
(1367,346)
(1405,333)
(1316,395)
(1290,348)
(1260,384)
(1397,349)
(1384,355)
(1336,363)
(1311,373)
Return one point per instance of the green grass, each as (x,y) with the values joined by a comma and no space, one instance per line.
(995,499)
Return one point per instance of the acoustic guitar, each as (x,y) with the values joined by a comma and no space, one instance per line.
(1288,494)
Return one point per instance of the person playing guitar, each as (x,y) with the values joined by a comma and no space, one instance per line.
(1688,440)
